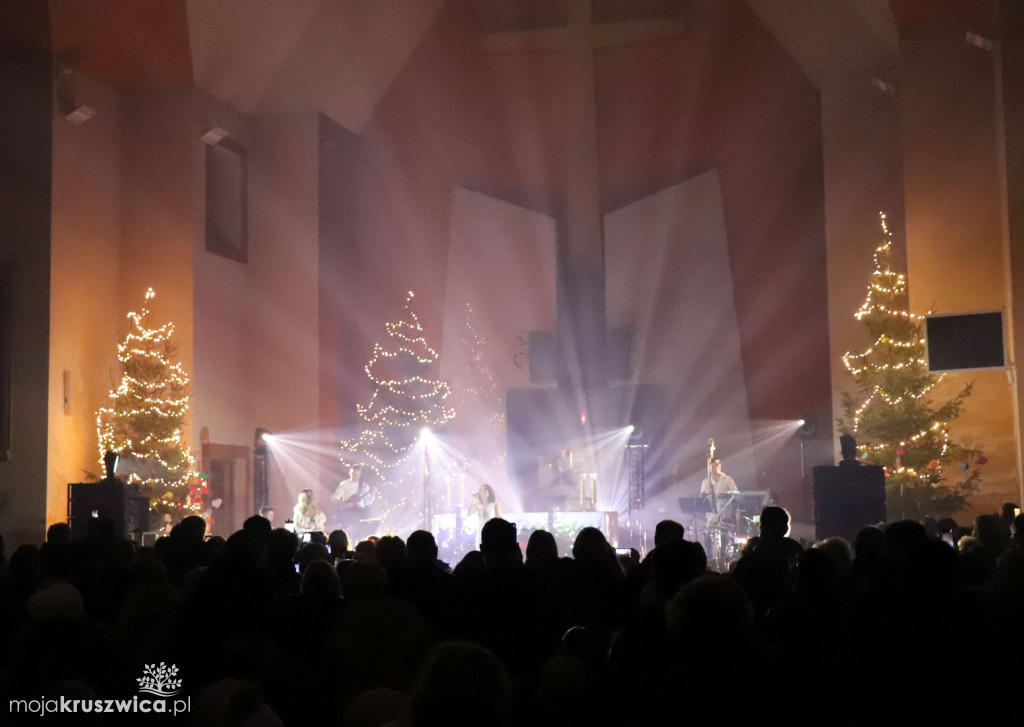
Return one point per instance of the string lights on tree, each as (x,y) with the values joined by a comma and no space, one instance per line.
(146,414)
(480,392)
(895,421)
(405,401)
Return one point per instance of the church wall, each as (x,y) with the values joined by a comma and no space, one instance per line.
(25,195)
(343,306)
(723,96)
(86,318)
(954,221)
(727,97)
(161,215)
(863,176)
(224,312)
(283,346)
(1011,66)
(256,322)
(453,118)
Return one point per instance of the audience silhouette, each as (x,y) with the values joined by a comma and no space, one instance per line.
(265,630)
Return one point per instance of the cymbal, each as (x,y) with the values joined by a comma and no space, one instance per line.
(719,526)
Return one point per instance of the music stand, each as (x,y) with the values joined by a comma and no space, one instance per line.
(694,506)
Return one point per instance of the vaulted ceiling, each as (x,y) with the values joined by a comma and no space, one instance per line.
(340,56)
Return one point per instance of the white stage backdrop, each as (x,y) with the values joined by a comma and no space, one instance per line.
(668,276)
(501,263)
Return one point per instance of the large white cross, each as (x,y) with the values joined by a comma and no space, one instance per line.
(578,40)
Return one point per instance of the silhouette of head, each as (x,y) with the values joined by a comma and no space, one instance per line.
(1018,527)
(668,530)
(774,522)
(462,684)
(337,542)
(590,546)
(710,616)
(421,548)
(58,533)
(848,447)
(498,542)
(192,528)
(391,552)
(258,525)
(541,547)
(321,580)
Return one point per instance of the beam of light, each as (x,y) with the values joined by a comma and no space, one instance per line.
(456,474)
(303,459)
(613,482)
(774,444)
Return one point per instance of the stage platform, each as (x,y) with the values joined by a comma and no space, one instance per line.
(457,534)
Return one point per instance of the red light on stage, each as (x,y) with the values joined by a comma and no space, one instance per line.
(583,418)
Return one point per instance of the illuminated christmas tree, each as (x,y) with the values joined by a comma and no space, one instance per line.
(480,402)
(146,414)
(895,420)
(405,399)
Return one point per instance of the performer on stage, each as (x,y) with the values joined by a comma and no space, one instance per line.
(353,496)
(483,504)
(307,515)
(716,485)
(349,492)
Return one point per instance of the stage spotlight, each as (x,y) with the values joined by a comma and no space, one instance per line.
(803,422)
(260,440)
(808,427)
(630,428)
(425,433)
(260,470)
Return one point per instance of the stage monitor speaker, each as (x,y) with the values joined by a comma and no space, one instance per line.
(112,499)
(847,499)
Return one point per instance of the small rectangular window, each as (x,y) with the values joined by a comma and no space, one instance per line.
(6,356)
(227,200)
(966,341)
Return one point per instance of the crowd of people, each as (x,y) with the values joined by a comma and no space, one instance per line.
(897,627)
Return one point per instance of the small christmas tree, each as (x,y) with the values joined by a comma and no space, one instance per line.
(147,412)
(896,423)
(480,402)
(405,399)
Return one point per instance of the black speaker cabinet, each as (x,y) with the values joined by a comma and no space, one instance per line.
(112,499)
(847,499)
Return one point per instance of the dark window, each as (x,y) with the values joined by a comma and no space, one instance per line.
(970,341)
(227,200)
(6,356)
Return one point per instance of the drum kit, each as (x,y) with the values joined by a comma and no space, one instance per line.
(725,532)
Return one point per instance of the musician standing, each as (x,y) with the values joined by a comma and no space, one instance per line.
(347,490)
(717,485)
(353,496)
